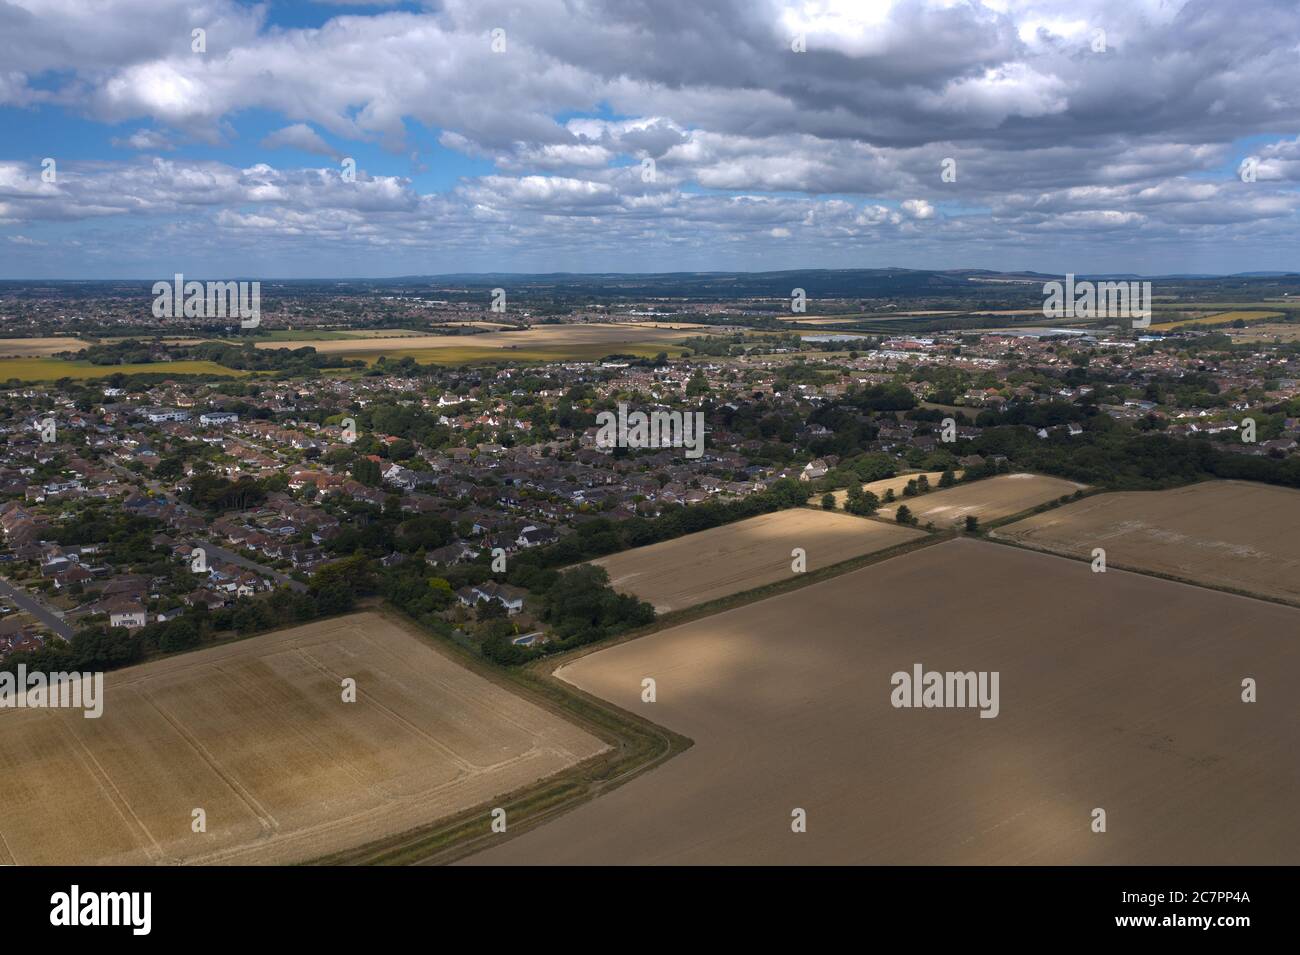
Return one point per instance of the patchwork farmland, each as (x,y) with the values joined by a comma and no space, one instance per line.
(584,338)
(1231,534)
(697,568)
(988,500)
(1117,691)
(1220,318)
(257,735)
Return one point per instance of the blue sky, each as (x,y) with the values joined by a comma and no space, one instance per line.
(616,137)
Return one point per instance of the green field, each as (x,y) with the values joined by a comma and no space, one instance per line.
(52,369)
(470,354)
(307,335)
(1272,303)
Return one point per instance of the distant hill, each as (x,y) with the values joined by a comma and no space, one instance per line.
(973,285)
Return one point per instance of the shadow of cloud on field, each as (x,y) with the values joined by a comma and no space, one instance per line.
(1117,691)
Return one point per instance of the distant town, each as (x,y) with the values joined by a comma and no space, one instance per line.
(115,481)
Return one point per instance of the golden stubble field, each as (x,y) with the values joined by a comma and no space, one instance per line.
(1117,691)
(1218,318)
(721,561)
(39,347)
(537,336)
(989,499)
(1233,534)
(256,734)
(896,484)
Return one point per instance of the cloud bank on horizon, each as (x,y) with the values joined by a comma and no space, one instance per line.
(143,137)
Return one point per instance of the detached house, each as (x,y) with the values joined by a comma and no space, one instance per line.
(512,598)
(532,536)
(126,613)
(451,554)
(813,470)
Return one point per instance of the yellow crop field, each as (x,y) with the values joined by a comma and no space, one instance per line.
(52,369)
(610,336)
(1233,534)
(1115,690)
(896,484)
(721,561)
(988,500)
(1221,318)
(39,347)
(257,735)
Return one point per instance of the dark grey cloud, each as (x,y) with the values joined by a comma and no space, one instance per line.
(634,132)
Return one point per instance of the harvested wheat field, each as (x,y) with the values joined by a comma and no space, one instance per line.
(989,499)
(726,560)
(670,326)
(1220,318)
(1116,691)
(1232,534)
(39,347)
(896,484)
(256,734)
(537,336)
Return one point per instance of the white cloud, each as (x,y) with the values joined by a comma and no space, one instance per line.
(299,136)
(146,140)
(918,209)
(748,138)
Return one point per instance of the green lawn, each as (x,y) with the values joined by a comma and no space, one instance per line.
(52,369)
(471,354)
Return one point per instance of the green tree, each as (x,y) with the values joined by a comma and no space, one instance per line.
(864,503)
(490,610)
(367,472)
